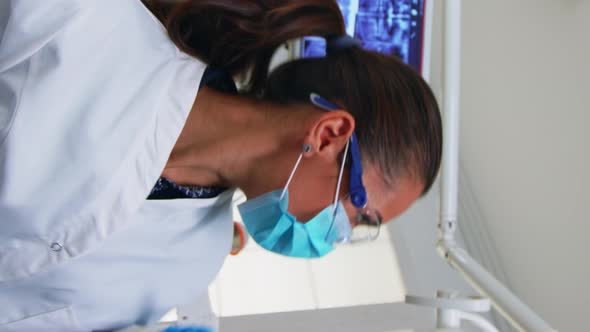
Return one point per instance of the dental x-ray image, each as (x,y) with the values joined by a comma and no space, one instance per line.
(387,26)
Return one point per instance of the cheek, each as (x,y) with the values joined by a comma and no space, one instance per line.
(308,199)
(308,195)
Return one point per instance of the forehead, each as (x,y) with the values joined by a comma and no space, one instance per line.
(390,201)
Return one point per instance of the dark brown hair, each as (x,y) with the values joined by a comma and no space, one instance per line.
(397,117)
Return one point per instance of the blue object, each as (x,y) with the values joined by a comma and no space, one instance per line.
(167,189)
(270,224)
(186,329)
(313,47)
(358,194)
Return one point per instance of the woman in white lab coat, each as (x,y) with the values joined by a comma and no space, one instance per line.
(119,157)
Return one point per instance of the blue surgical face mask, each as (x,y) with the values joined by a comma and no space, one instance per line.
(270,224)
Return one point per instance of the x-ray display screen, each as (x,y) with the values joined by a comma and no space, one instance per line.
(388,26)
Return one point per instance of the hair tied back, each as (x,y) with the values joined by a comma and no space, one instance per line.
(342,42)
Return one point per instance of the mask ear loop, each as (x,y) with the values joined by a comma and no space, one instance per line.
(335,204)
(291,176)
(340,179)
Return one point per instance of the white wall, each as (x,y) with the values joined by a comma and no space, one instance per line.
(524,151)
(526,145)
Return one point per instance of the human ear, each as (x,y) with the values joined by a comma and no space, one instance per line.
(329,134)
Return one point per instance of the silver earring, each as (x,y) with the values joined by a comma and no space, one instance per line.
(306,148)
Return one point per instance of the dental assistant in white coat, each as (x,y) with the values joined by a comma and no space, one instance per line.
(117,170)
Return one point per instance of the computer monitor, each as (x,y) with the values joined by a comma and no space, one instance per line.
(389,26)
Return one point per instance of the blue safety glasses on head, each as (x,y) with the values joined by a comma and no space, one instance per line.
(358,194)
(367,222)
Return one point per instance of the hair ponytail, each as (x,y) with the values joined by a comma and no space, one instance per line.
(241,36)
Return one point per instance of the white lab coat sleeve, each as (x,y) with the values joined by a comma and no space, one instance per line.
(27,25)
(165,259)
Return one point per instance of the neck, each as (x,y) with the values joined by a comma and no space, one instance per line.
(234,141)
